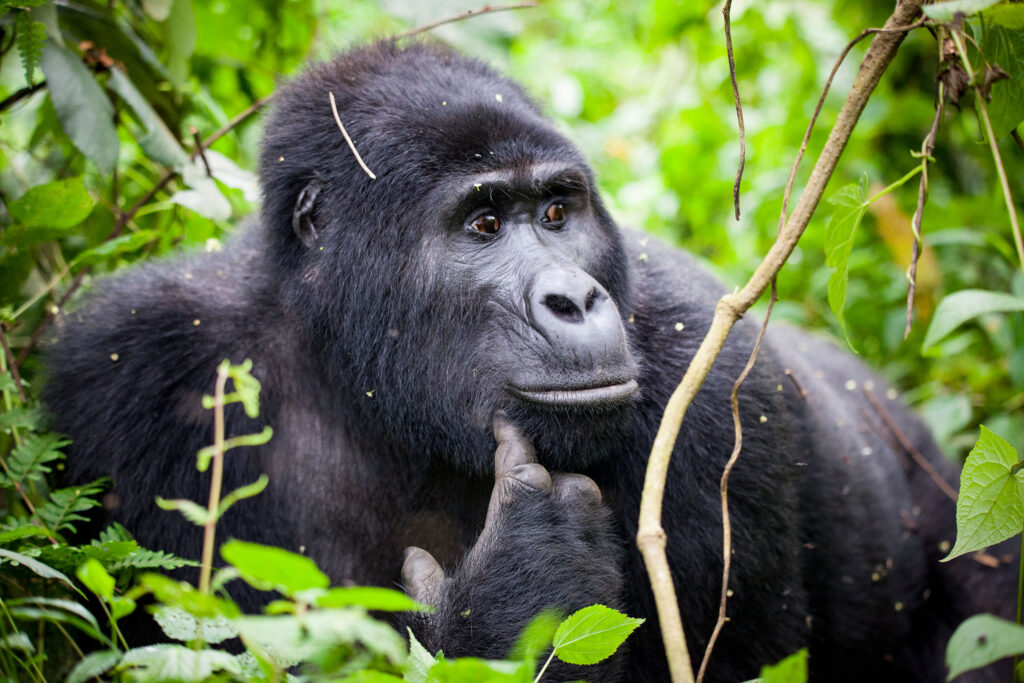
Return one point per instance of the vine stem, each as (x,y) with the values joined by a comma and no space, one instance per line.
(552,656)
(216,480)
(651,538)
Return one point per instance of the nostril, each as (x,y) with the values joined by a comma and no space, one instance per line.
(588,305)
(563,307)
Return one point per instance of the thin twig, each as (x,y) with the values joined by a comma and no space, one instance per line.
(821,102)
(909,447)
(927,147)
(12,367)
(486,9)
(734,400)
(217,476)
(799,389)
(651,538)
(19,95)
(739,108)
(351,145)
(199,149)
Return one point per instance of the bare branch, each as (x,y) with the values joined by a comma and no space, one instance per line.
(739,109)
(486,9)
(199,148)
(19,95)
(650,535)
(351,145)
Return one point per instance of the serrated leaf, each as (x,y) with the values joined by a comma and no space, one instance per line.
(956,309)
(95,577)
(178,624)
(20,418)
(193,512)
(945,11)
(981,640)
(851,202)
(30,39)
(990,507)
(269,568)
(176,663)
(37,567)
(792,669)
(84,112)
(156,141)
(592,634)
(94,664)
(1005,47)
(419,661)
(61,204)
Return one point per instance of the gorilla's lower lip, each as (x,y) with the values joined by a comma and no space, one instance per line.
(609,393)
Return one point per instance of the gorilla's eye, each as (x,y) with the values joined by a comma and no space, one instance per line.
(555,215)
(487,224)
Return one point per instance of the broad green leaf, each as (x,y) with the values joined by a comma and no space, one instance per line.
(158,9)
(536,638)
(68,606)
(792,669)
(124,244)
(36,566)
(179,31)
(190,510)
(369,597)
(851,201)
(94,664)
(956,309)
(60,204)
(180,594)
(178,624)
(156,141)
(270,568)
(121,606)
(1005,46)
(84,111)
(418,664)
(473,670)
(592,634)
(981,640)
(945,11)
(1009,15)
(176,663)
(27,612)
(95,578)
(990,508)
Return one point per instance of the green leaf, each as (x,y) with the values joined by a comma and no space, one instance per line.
(990,508)
(851,202)
(125,244)
(31,37)
(28,461)
(592,634)
(368,597)
(193,512)
(94,664)
(945,11)
(158,9)
(36,566)
(956,309)
(20,532)
(269,568)
(981,640)
(1005,46)
(17,641)
(178,624)
(419,661)
(156,141)
(792,669)
(536,638)
(1009,15)
(179,31)
(60,204)
(473,670)
(176,663)
(371,677)
(94,576)
(180,594)
(84,112)
(41,611)
(63,508)
(68,606)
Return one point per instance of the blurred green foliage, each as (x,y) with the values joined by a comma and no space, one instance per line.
(643,87)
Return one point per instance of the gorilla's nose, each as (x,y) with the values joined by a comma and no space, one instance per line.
(574,312)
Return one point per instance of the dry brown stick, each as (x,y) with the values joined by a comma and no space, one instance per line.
(734,401)
(486,9)
(11,365)
(909,447)
(348,139)
(124,218)
(927,147)
(199,148)
(821,102)
(651,538)
(739,108)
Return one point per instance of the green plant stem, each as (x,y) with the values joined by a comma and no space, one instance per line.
(545,667)
(31,661)
(216,480)
(1020,598)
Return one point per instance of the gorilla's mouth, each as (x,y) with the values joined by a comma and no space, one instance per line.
(578,396)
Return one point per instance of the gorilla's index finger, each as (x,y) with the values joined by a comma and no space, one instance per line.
(513,447)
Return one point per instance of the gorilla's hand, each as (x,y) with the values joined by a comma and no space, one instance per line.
(547,543)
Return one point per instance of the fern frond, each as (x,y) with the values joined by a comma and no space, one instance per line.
(66,505)
(30,40)
(28,461)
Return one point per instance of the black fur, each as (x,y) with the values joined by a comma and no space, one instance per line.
(385,332)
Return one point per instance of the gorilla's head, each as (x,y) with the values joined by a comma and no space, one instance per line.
(479,270)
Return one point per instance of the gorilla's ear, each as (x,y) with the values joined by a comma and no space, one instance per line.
(302,218)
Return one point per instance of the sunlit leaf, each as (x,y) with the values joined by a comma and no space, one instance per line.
(36,566)
(94,664)
(178,624)
(176,663)
(958,308)
(592,634)
(851,202)
(94,577)
(269,568)
(792,669)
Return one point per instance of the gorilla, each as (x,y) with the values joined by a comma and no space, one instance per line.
(465,361)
